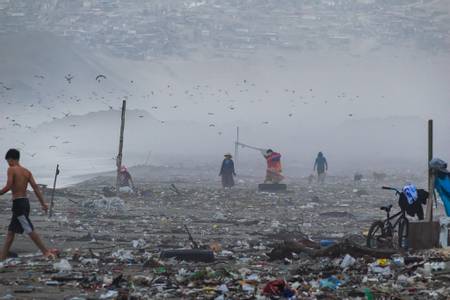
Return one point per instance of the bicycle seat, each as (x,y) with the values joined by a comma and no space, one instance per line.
(386,208)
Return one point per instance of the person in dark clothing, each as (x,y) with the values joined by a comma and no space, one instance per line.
(412,204)
(227,171)
(321,165)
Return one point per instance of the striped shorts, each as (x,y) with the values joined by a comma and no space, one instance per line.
(20,221)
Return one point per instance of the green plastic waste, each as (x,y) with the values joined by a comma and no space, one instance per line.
(369,295)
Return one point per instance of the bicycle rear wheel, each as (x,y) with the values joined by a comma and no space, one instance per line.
(376,234)
(403,228)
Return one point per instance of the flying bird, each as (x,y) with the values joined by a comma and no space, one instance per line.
(69,78)
(100,77)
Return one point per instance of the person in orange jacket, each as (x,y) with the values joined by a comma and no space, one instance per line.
(274,169)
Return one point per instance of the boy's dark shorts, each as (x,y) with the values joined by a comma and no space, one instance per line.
(20,221)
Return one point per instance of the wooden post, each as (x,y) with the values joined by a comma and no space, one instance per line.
(50,212)
(119,156)
(430,202)
(236,146)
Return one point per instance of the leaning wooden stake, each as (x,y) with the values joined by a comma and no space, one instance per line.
(429,211)
(236,147)
(50,213)
(119,156)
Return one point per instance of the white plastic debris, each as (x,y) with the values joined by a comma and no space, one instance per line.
(105,204)
(375,269)
(89,261)
(123,255)
(138,243)
(275,224)
(438,266)
(62,266)
(347,262)
(253,277)
(247,288)
(402,279)
(223,289)
(109,295)
(218,216)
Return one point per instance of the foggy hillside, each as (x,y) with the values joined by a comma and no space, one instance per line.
(365,103)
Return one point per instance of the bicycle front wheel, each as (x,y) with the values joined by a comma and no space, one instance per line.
(376,234)
(403,228)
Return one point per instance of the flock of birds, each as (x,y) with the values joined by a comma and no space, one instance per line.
(196,94)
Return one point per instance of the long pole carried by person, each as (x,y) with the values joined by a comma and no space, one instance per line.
(119,156)
(250,147)
(50,213)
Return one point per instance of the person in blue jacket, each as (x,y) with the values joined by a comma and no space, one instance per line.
(321,165)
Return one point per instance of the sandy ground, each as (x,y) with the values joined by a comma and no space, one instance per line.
(242,223)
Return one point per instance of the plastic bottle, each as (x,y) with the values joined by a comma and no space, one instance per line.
(327,243)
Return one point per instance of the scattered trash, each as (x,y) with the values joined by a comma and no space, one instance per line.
(105,205)
(327,243)
(138,243)
(330,283)
(189,255)
(383,262)
(123,255)
(347,262)
(62,266)
(109,295)
(141,247)
(279,287)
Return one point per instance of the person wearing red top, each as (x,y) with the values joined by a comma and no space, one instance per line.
(274,169)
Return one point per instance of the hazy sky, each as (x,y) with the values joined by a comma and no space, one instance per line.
(350,104)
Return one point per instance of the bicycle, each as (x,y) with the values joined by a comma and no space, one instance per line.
(381,233)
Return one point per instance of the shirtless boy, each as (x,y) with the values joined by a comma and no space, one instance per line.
(18,180)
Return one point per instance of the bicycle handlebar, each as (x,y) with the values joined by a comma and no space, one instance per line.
(391,189)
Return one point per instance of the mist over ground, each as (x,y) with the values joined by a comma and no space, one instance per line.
(365,104)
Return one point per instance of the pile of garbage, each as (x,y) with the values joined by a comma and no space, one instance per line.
(242,244)
(109,205)
(238,273)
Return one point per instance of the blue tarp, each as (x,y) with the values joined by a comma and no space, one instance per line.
(442,186)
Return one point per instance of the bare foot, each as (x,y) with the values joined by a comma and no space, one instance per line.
(51,254)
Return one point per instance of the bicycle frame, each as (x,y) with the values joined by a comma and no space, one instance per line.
(388,224)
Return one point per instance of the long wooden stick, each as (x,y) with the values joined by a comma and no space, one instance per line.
(119,156)
(429,211)
(250,147)
(50,213)
(236,147)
